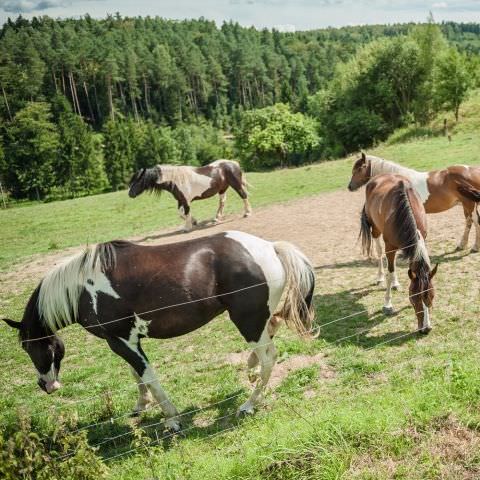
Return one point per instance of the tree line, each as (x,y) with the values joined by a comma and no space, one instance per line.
(84,102)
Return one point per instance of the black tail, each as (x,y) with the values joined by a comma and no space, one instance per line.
(468,192)
(365,232)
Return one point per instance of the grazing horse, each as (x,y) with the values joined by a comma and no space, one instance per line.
(393,209)
(123,292)
(188,184)
(439,190)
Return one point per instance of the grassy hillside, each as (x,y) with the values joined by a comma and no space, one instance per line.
(40,228)
(377,403)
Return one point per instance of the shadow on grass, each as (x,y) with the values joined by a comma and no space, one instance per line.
(352,324)
(203,225)
(119,439)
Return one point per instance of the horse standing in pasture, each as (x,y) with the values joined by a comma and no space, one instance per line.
(439,190)
(393,209)
(188,184)
(123,292)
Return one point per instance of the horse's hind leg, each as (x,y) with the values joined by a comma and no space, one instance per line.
(221,206)
(266,354)
(468,210)
(272,326)
(237,182)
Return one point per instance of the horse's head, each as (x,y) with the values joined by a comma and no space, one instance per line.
(137,183)
(422,293)
(46,350)
(360,173)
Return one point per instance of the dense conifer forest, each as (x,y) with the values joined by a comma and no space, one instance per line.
(84,102)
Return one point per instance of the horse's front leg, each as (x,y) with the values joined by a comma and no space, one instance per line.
(144,396)
(184,212)
(476,222)
(134,355)
(221,206)
(379,250)
(388,307)
(266,354)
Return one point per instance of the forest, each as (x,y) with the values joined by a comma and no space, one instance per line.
(85,102)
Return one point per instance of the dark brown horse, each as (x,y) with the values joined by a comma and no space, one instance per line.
(123,292)
(439,190)
(393,209)
(188,184)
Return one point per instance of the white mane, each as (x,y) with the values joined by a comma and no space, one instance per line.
(380,165)
(61,288)
(177,174)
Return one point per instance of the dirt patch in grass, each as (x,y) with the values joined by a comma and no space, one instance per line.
(282,369)
(447,450)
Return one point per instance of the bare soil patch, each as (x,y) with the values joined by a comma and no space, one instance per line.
(325,227)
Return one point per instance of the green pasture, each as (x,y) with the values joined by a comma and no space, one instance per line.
(380,402)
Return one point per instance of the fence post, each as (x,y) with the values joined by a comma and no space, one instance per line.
(3,196)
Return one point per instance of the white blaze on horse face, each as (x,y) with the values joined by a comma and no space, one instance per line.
(426,317)
(99,282)
(264,255)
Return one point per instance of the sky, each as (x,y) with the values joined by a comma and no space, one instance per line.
(286,15)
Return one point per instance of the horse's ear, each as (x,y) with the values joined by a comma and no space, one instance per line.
(13,323)
(364,157)
(434,271)
(412,275)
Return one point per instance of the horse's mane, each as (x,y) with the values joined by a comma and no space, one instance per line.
(60,290)
(410,239)
(176,174)
(380,165)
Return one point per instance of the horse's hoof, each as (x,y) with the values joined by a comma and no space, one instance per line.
(173,426)
(474,250)
(426,330)
(396,287)
(388,310)
(245,410)
(459,248)
(246,215)
(135,413)
(380,282)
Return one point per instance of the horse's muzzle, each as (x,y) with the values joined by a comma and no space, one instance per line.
(48,387)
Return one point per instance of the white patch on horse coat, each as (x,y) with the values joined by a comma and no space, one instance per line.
(189,182)
(264,255)
(98,282)
(194,261)
(419,180)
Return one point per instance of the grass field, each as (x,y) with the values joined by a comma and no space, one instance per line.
(379,402)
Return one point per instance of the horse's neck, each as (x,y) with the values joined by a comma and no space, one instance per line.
(380,166)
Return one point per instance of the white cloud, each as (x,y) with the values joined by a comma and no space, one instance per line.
(440,5)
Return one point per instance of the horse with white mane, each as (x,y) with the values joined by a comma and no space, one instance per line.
(439,190)
(124,292)
(188,184)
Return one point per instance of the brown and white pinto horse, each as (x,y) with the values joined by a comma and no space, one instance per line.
(123,292)
(393,209)
(188,184)
(439,190)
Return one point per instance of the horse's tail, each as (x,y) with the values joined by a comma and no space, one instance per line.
(411,240)
(365,232)
(469,192)
(297,306)
(61,288)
